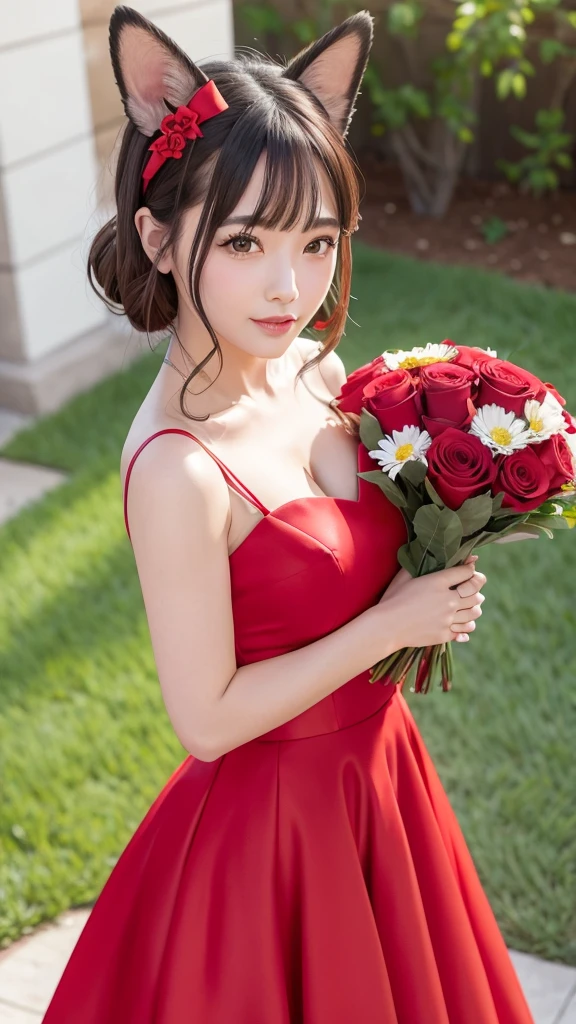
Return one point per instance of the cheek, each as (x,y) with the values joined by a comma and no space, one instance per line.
(221,279)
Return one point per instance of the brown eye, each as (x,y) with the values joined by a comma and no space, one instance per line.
(241,241)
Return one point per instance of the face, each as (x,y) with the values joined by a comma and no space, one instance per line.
(268,273)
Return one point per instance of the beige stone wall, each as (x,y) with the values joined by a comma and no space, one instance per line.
(203,28)
(60,119)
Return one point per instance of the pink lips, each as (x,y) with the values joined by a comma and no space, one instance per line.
(276,320)
(276,324)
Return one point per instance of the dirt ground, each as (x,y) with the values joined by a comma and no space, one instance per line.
(540,244)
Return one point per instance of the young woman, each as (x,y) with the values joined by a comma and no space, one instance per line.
(303,864)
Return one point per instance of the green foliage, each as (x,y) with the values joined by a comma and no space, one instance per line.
(494,229)
(404,18)
(549,145)
(487,39)
(261,18)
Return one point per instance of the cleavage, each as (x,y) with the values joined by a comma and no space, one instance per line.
(329,451)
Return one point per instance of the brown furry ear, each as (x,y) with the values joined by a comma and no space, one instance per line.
(332,68)
(149,69)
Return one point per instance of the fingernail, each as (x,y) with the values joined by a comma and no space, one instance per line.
(462,637)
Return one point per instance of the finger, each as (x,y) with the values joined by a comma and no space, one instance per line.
(471,586)
(467,614)
(463,627)
(474,601)
(458,574)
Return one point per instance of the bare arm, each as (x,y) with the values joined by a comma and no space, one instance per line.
(178,511)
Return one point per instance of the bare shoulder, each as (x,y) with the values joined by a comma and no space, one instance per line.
(174,476)
(178,517)
(331,369)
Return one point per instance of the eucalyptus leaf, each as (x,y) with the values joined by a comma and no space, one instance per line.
(480,540)
(433,493)
(414,471)
(527,528)
(439,530)
(502,513)
(554,522)
(462,554)
(390,488)
(406,561)
(497,501)
(370,430)
(413,497)
(428,564)
(474,513)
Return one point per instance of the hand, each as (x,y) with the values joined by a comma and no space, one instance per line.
(436,608)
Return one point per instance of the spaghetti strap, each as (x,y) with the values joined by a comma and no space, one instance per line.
(233,480)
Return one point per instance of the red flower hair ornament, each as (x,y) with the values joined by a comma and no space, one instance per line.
(182,125)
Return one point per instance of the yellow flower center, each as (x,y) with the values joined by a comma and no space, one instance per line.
(404,452)
(501,436)
(536,425)
(410,361)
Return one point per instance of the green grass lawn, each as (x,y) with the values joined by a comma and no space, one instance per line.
(85,741)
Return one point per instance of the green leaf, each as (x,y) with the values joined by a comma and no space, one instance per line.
(439,530)
(474,513)
(504,83)
(406,561)
(462,553)
(433,493)
(519,86)
(414,471)
(391,490)
(553,522)
(497,501)
(534,530)
(370,430)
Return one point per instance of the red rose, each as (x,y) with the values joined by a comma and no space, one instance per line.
(171,144)
(459,466)
(446,394)
(555,393)
(393,399)
(352,391)
(556,456)
(471,357)
(570,423)
(184,121)
(507,385)
(524,478)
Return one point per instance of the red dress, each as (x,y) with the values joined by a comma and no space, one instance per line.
(316,874)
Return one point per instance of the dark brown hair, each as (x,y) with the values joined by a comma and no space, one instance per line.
(266,111)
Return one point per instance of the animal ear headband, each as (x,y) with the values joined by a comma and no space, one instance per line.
(151,71)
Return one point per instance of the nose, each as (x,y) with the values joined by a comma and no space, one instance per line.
(281,286)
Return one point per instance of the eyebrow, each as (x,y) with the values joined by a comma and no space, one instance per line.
(321,222)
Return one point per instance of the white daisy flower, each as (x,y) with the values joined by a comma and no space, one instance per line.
(405,359)
(406,445)
(502,431)
(544,418)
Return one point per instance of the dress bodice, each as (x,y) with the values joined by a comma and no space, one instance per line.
(306,568)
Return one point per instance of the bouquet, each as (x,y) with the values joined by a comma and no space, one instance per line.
(472,449)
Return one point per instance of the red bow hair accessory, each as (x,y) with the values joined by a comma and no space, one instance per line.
(183,124)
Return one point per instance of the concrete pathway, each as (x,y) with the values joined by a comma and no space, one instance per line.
(31,968)
(20,482)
